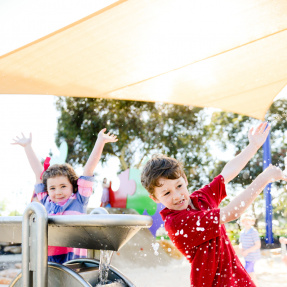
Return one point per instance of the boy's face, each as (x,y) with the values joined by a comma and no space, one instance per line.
(247,223)
(59,188)
(172,193)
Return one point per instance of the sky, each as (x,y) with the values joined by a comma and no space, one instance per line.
(22,22)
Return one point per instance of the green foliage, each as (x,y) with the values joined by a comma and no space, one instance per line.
(230,131)
(143,128)
(14,213)
(234,236)
(161,237)
(183,132)
(2,206)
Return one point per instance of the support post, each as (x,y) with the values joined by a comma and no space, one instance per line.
(267,193)
(35,246)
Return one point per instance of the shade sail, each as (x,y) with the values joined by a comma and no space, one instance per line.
(225,54)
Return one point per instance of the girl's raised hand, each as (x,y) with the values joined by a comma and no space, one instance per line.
(23,141)
(108,137)
(258,137)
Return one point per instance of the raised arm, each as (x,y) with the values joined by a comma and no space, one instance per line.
(34,162)
(239,204)
(283,240)
(256,140)
(97,151)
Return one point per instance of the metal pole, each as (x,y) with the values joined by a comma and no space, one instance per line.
(35,246)
(267,193)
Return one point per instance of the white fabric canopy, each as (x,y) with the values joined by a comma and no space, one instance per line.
(226,54)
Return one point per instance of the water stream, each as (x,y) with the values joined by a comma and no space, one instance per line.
(105,262)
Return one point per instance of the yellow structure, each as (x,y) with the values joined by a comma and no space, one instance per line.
(225,54)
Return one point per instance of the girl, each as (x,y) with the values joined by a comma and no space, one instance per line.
(60,190)
(105,200)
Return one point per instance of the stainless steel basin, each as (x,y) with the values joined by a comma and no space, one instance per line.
(91,231)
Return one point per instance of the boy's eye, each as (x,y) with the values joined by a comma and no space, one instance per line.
(166,193)
(179,186)
(63,186)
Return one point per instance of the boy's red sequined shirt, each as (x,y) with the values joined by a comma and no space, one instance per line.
(204,242)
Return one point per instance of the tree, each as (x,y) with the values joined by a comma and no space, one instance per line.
(186,133)
(143,128)
(2,206)
(230,130)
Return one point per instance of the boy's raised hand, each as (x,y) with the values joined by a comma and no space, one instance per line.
(108,137)
(23,141)
(258,137)
(274,173)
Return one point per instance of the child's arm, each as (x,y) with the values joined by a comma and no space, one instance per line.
(97,151)
(256,140)
(283,240)
(257,245)
(239,204)
(32,158)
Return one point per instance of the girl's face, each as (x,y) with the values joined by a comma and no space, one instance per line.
(59,188)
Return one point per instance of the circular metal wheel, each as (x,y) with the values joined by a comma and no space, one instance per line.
(58,276)
(89,270)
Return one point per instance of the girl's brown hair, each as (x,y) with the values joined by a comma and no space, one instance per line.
(61,170)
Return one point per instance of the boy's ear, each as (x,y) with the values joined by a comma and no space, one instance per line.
(154,198)
(185,179)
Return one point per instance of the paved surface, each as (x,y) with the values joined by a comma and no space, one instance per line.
(141,251)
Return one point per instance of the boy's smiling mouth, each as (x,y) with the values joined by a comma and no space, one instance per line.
(180,202)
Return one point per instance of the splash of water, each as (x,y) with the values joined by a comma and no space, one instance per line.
(105,262)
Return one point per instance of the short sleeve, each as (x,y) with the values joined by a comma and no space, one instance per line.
(88,178)
(40,192)
(85,188)
(255,236)
(189,230)
(39,188)
(213,193)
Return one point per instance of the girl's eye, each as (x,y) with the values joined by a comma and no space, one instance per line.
(166,193)
(179,186)
(63,186)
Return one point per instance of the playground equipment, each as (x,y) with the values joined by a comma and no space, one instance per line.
(95,231)
(132,195)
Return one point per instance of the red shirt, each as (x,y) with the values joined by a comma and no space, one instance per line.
(199,237)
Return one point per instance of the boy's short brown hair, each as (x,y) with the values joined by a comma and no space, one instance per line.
(61,170)
(157,167)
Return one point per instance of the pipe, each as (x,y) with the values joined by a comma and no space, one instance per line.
(35,242)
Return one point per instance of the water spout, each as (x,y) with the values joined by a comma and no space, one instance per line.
(105,262)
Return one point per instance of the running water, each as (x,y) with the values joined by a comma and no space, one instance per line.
(105,262)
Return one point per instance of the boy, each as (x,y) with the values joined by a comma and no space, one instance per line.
(194,222)
(283,242)
(249,244)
